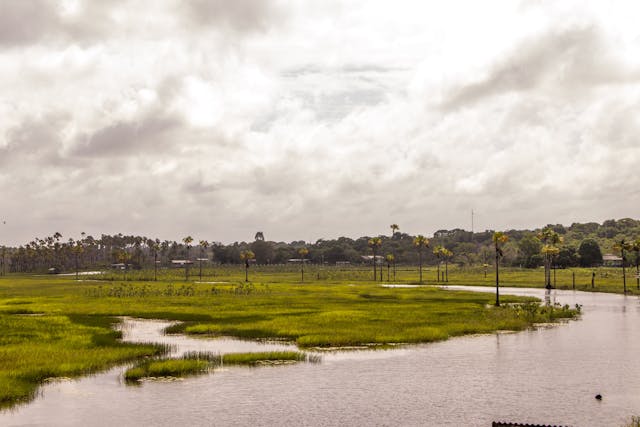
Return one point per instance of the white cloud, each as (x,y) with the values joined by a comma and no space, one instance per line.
(316,119)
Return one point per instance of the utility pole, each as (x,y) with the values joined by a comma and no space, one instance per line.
(471,221)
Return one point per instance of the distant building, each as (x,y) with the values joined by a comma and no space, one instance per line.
(178,263)
(610,260)
(369,259)
(297,260)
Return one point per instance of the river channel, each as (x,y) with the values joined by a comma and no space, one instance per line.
(547,375)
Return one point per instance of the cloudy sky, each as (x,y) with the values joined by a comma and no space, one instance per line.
(314,119)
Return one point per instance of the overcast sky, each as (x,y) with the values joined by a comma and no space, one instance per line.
(315,119)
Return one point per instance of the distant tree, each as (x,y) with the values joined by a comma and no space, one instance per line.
(123,257)
(246,256)
(530,248)
(154,247)
(263,251)
(259,236)
(499,238)
(375,243)
(623,246)
(635,246)
(77,248)
(390,260)
(203,252)
(590,254)
(567,257)
(438,252)
(394,229)
(187,243)
(446,254)
(550,241)
(303,253)
(420,242)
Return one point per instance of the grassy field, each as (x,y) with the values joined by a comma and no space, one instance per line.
(55,326)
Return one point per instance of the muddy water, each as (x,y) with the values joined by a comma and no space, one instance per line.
(548,375)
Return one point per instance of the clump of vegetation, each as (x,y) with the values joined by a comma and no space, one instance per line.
(167,368)
(194,363)
(634,422)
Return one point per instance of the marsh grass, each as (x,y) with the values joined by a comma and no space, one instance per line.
(73,331)
(194,363)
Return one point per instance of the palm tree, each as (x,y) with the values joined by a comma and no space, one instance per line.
(187,243)
(246,256)
(622,246)
(77,249)
(303,252)
(635,246)
(374,244)
(498,239)
(154,245)
(394,229)
(550,250)
(420,242)
(390,260)
(123,257)
(446,254)
(438,252)
(203,249)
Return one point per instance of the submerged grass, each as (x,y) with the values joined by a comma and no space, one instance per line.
(59,327)
(167,368)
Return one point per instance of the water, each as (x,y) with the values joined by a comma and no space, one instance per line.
(548,375)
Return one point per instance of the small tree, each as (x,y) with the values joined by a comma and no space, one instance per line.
(187,243)
(246,256)
(550,240)
(154,245)
(420,242)
(437,251)
(446,254)
(390,260)
(374,244)
(123,257)
(77,249)
(623,246)
(303,253)
(203,251)
(499,238)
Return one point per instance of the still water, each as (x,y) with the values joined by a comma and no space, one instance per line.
(548,375)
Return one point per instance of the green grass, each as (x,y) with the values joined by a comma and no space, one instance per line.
(59,327)
(253,359)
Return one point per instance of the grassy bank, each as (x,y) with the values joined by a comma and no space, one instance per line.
(57,327)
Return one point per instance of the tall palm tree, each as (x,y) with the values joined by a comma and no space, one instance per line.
(374,244)
(303,253)
(246,256)
(420,242)
(187,243)
(499,238)
(394,228)
(203,250)
(550,240)
(635,246)
(623,246)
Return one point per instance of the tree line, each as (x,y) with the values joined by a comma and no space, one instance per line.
(554,246)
